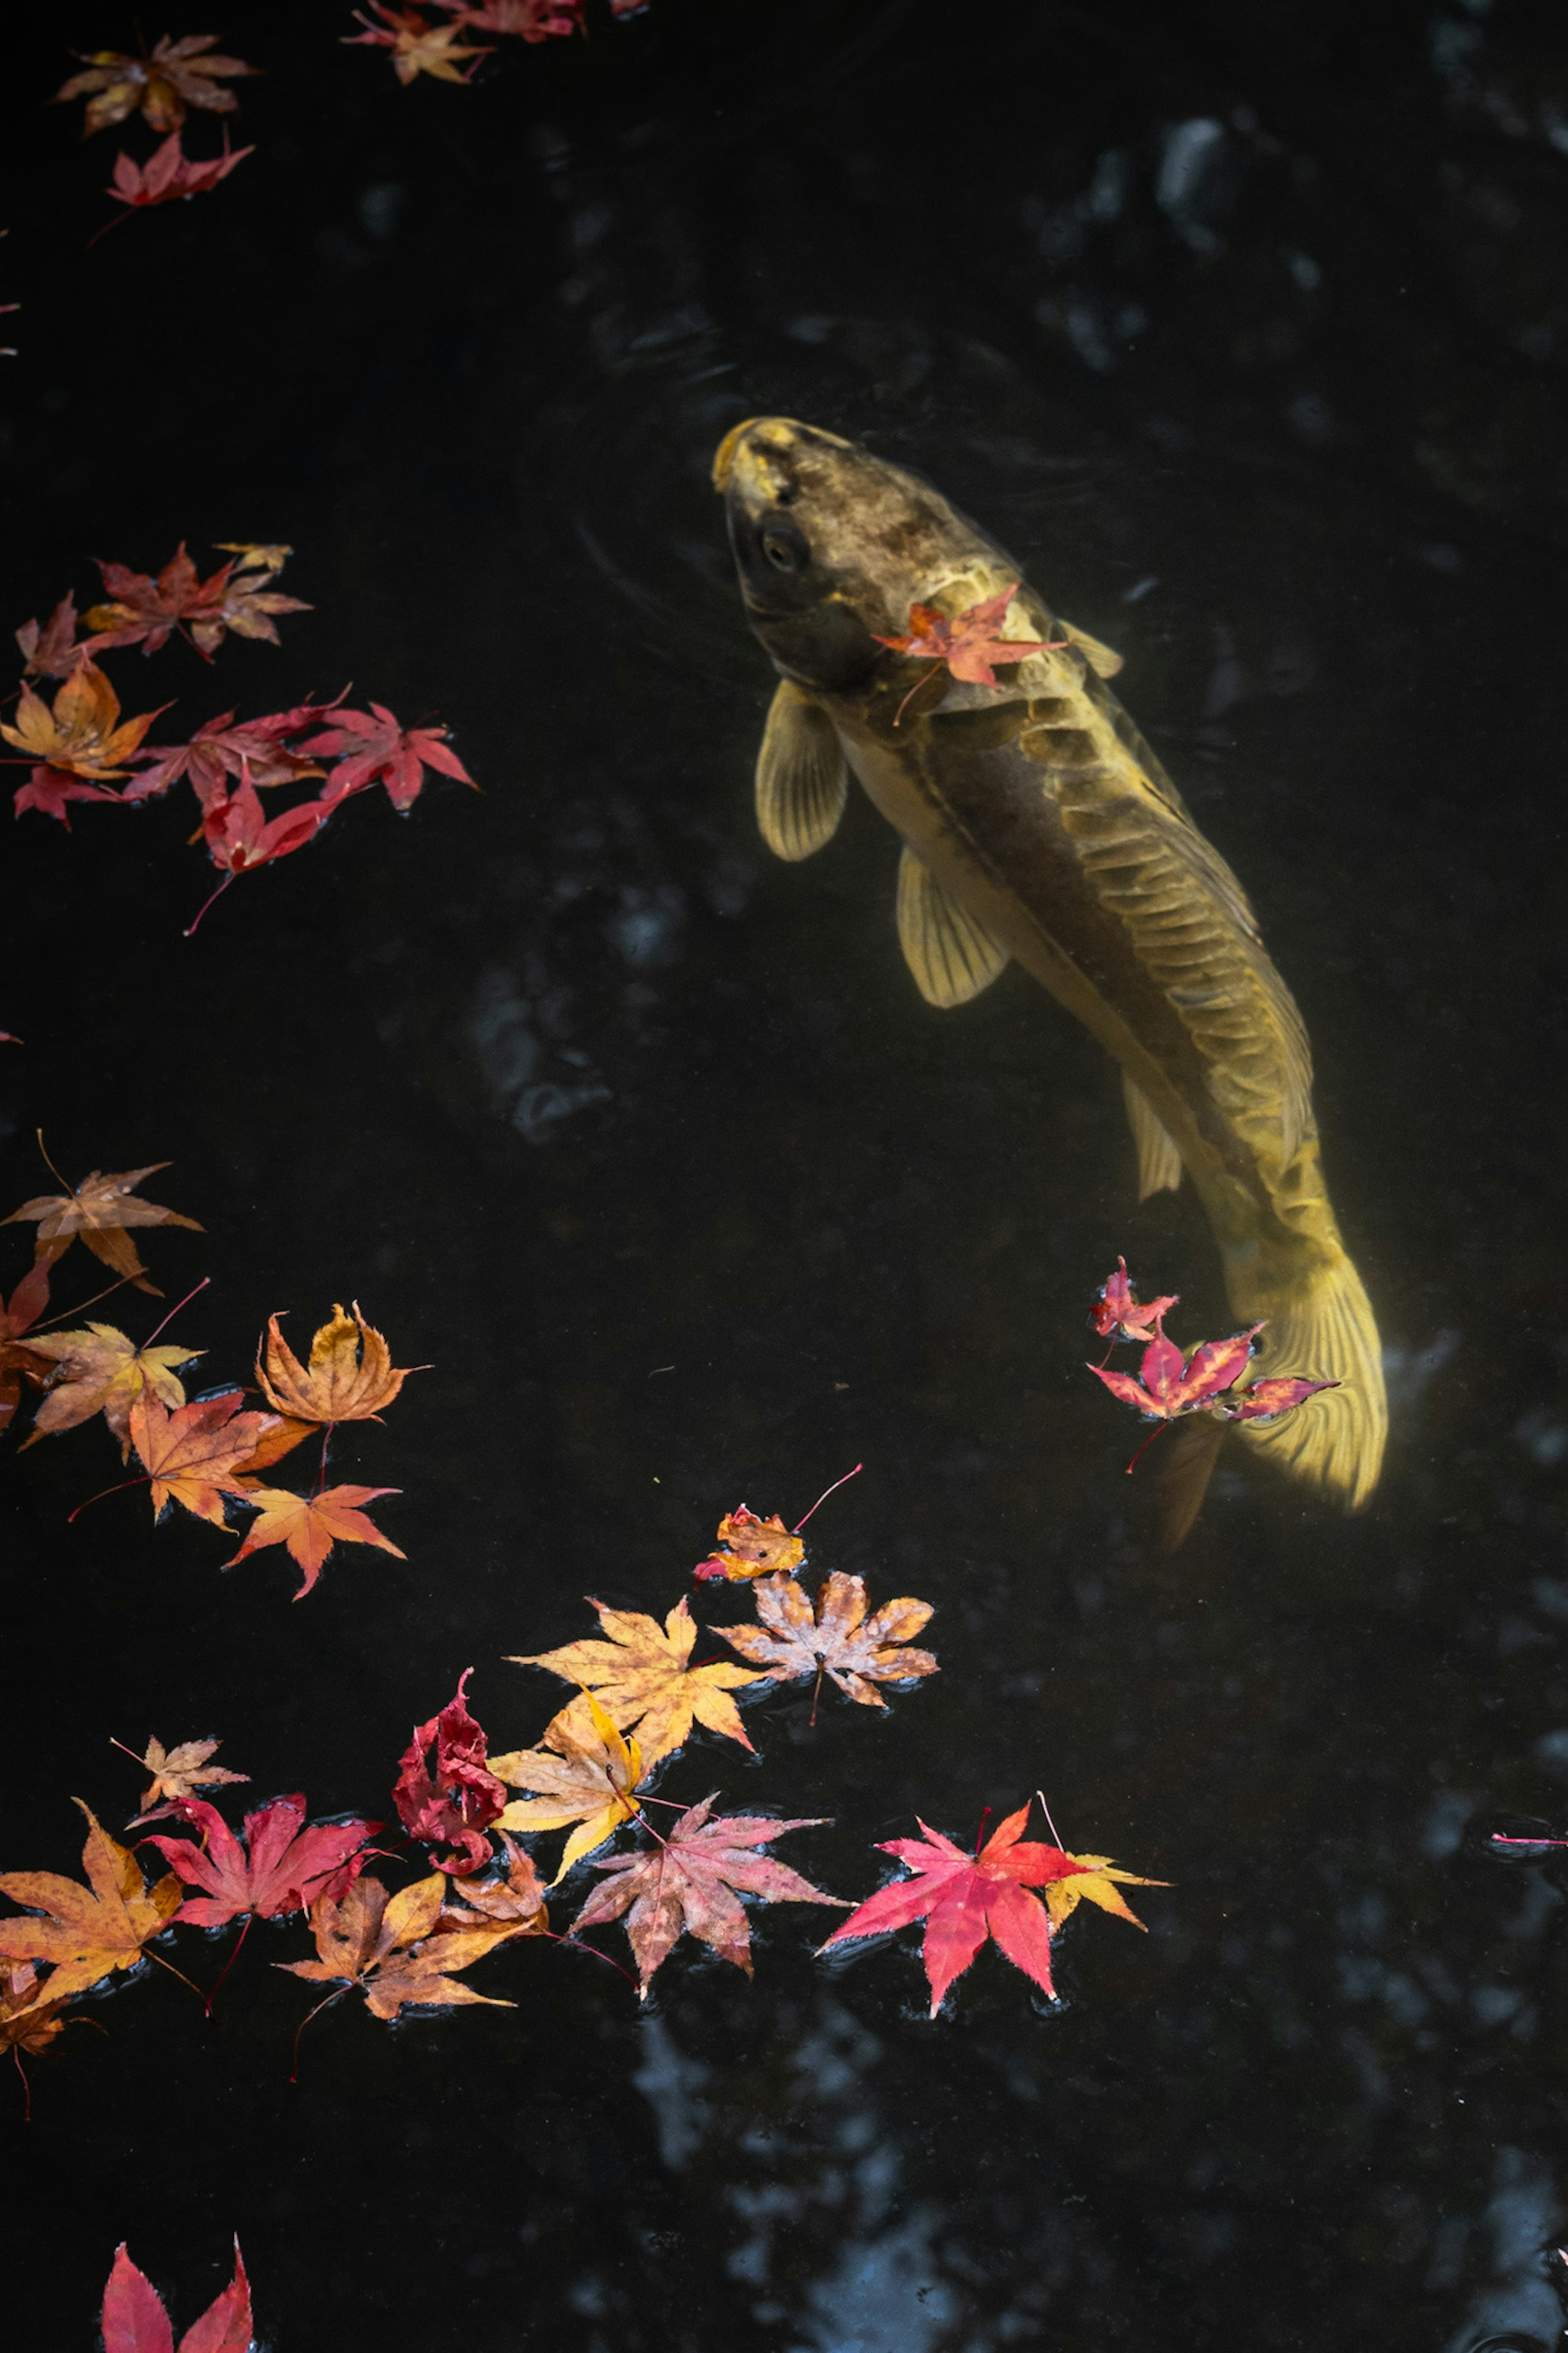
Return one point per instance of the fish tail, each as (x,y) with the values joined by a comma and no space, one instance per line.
(1320,1325)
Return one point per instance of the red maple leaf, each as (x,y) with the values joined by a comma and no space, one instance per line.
(282,1866)
(374,748)
(1172,1384)
(49,789)
(220,750)
(443,1794)
(17,1316)
(967,642)
(966,1899)
(52,650)
(239,834)
(144,611)
(135,2319)
(528,20)
(1116,1314)
(169,172)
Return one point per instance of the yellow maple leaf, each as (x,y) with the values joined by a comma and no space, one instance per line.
(87,1932)
(644,1678)
(103,1371)
(583,1772)
(1093,1882)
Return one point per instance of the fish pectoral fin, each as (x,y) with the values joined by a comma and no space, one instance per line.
(1158,1162)
(803,784)
(951,956)
(1103,660)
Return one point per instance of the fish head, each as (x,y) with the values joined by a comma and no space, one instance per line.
(833,546)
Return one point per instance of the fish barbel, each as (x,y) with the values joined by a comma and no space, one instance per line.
(1038,826)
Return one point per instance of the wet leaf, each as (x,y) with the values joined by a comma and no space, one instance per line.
(282,1866)
(142,610)
(1117,1315)
(350,1377)
(528,20)
(168,173)
(193,1455)
(643,1679)
(1265,1401)
(445,1793)
(99,1370)
(394,1947)
(220,750)
(968,641)
(82,735)
(134,2320)
(87,1932)
(583,1772)
(750,1547)
(310,1525)
(515,1896)
(30,2017)
(177,1771)
(370,747)
(177,74)
(18,1359)
(51,790)
(1172,1384)
(837,1638)
(100,1210)
(239,835)
(52,650)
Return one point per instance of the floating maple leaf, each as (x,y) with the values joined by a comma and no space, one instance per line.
(693,1880)
(583,1772)
(968,643)
(528,20)
(239,835)
(167,173)
(176,75)
(310,1525)
(1171,1385)
(751,1547)
(142,610)
(515,1894)
(49,790)
(1264,1400)
(350,1377)
(1116,1314)
(30,2017)
(99,1211)
(99,1370)
(839,1639)
(371,747)
(87,1932)
(134,2320)
(83,734)
(445,1794)
(219,750)
(177,1771)
(643,1677)
(52,651)
(394,1949)
(417,47)
(194,1455)
(18,1359)
(282,1866)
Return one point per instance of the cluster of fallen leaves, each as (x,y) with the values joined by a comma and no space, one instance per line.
(80,748)
(207,1453)
(417,44)
(162,85)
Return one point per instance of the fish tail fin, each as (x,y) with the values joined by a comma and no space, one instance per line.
(1320,1325)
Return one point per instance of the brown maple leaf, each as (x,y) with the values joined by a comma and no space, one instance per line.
(312,1524)
(87,1932)
(30,2017)
(100,1210)
(839,1639)
(83,734)
(52,650)
(643,1679)
(517,1895)
(176,1772)
(693,1880)
(394,1947)
(751,1547)
(18,1359)
(176,75)
(99,1370)
(144,611)
(351,1375)
(583,1772)
(193,1454)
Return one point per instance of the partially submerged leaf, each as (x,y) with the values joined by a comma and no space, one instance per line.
(87,1932)
(312,1524)
(134,2320)
(282,1866)
(1172,1384)
(751,1547)
(837,1638)
(100,1370)
(583,1772)
(644,1678)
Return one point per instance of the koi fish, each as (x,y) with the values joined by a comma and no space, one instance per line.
(1039,827)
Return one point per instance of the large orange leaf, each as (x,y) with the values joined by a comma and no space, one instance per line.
(311,1524)
(350,1377)
(193,1455)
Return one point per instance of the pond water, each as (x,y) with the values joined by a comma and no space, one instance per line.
(1244,328)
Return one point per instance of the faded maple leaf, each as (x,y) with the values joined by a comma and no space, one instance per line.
(100,1370)
(643,1679)
(18,1358)
(417,47)
(838,1639)
(167,173)
(693,1878)
(751,1547)
(193,1455)
(967,642)
(515,1894)
(83,734)
(30,2017)
(134,2320)
(1117,1316)
(445,1793)
(393,1949)
(177,1771)
(99,1211)
(219,750)
(1265,1401)
(176,75)
(583,1772)
(350,1377)
(87,1932)
(144,611)
(528,20)
(371,747)
(51,650)
(282,1866)
(312,1524)
(256,555)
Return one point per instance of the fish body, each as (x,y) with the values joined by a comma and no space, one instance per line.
(1039,827)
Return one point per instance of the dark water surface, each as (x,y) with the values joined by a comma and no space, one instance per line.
(1244,326)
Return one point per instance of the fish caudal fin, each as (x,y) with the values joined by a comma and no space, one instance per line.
(1324,1330)
(1158,1162)
(803,784)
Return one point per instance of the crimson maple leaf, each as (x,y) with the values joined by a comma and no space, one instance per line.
(1116,1313)
(239,834)
(220,750)
(169,172)
(47,790)
(281,1867)
(18,1315)
(370,746)
(967,642)
(134,2320)
(446,1798)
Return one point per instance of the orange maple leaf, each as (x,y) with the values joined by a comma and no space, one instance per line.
(752,1547)
(83,733)
(311,1524)
(100,1210)
(193,1455)
(351,1375)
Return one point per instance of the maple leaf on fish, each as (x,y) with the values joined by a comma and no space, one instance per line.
(177,1772)
(177,74)
(310,1525)
(87,1932)
(18,1358)
(528,20)
(837,1638)
(445,1793)
(351,1375)
(194,1455)
(99,1211)
(417,47)
(583,1772)
(279,1865)
(168,173)
(1116,1313)
(967,642)
(100,1370)
(1170,1383)
(83,733)
(692,1881)
(51,650)
(394,1947)
(643,1678)
(371,747)
(751,1547)
(1264,1400)
(135,2318)
(142,610)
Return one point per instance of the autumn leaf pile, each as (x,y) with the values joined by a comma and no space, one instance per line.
(440,46)
(161,85)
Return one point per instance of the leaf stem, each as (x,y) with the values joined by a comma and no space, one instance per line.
(294,2064)
(66,1311)
(1049,1824)
(174,1311)
(26,2087)
(1143,1450)
(119,1483)
(200,911)
(229,1965)
(578,1946)
(162,1964)
(825,1494)
(49,1164)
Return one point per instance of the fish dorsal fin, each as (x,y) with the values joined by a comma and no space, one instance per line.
(802,781)
(952,958)
(1101,659)
(1158,1162)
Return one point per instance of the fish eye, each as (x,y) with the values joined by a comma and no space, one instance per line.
(784,548)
